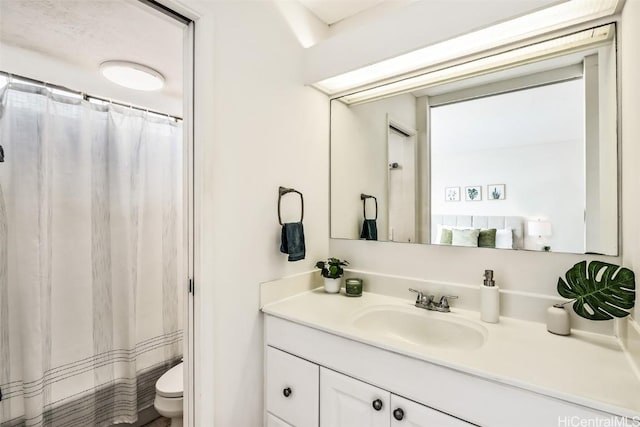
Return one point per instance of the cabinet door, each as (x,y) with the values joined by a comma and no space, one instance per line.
(406,413)
(292,389)
(347,402)
(273,421)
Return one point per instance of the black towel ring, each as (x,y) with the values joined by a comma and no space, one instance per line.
(364,198)
(281,192)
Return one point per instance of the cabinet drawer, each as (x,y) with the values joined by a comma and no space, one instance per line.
(292,389)
(406,413)
(273,421)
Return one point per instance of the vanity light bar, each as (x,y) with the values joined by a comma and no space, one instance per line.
(544,50)
(562,15)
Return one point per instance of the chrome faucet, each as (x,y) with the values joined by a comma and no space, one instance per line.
(428,302)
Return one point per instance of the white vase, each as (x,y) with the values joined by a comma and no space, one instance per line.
(332,286)
(558,320)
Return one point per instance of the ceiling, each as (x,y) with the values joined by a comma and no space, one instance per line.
(332,11)
(86,33)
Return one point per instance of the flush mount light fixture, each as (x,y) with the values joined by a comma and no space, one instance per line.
(543,21)
(132,75)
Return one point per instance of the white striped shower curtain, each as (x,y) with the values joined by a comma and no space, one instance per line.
(90,258)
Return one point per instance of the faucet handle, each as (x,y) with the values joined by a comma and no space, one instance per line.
(444,300)
(420,295)
(422,298)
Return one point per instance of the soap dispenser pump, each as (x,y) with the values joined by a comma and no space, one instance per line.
(489,299)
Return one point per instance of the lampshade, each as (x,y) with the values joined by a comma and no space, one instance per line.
(539,228)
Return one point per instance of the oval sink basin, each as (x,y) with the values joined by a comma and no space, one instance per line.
(412,325)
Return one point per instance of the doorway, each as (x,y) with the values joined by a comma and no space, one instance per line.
(401,181)
(111,300)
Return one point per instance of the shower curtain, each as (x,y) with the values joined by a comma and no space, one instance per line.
(90,258)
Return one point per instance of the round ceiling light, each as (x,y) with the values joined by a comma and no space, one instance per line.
(132,75)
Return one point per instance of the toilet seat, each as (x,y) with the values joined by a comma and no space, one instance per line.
(171,383)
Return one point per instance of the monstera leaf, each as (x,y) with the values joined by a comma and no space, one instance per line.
(601,299)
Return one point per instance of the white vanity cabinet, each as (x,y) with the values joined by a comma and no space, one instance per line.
(347,402)
(428,394)
(303,394)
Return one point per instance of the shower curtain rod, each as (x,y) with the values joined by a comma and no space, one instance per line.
(84,96)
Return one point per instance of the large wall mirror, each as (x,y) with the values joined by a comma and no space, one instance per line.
(517,150)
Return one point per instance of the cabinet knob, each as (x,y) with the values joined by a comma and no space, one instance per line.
(377,404)
(398,414)
(287,392)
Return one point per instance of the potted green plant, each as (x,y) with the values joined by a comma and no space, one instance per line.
(599,291)
(332,271)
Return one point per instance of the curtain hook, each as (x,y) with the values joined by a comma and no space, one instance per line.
(47,91)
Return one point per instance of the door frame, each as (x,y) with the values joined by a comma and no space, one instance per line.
(178,11)
(412,135)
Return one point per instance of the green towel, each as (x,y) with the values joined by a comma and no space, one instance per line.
(369,230)
(292,241)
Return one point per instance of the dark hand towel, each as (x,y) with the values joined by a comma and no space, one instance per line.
(292,241)
(369,230)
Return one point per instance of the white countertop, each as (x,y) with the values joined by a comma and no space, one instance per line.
(584,368)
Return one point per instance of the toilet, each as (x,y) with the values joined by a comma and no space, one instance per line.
(169,391)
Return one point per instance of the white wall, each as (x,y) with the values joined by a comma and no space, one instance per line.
(630,150)
(359,160)
(540,184)
(256,127)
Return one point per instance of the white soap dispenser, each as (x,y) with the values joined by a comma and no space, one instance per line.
(489,299)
